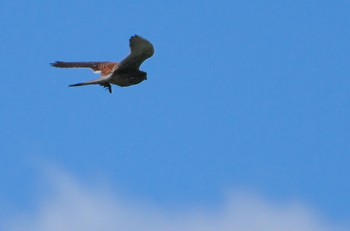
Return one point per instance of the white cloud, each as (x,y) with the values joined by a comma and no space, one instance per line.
(74,207)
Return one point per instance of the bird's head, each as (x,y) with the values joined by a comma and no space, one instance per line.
(143,75)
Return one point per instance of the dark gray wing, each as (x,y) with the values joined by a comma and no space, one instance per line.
(141,49)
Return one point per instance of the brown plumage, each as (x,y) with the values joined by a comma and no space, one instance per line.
(125,73)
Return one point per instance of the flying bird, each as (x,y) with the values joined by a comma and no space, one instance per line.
(123,74)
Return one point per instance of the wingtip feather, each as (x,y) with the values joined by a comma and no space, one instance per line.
(56,64)
(76,85)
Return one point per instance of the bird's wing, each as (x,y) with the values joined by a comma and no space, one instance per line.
(105,68)
(101,81)
(141,49)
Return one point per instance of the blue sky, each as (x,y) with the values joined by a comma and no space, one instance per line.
(247,97)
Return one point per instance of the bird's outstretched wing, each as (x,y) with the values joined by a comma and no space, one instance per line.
(105,68)
(141,49)
(99,81)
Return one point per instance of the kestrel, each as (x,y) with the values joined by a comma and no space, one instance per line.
(125,73)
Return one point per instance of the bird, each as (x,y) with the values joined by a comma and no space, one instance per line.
(125,73)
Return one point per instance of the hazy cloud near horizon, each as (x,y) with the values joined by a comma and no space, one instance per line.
(74,207)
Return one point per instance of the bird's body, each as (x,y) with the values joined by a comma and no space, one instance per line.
(123,74)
